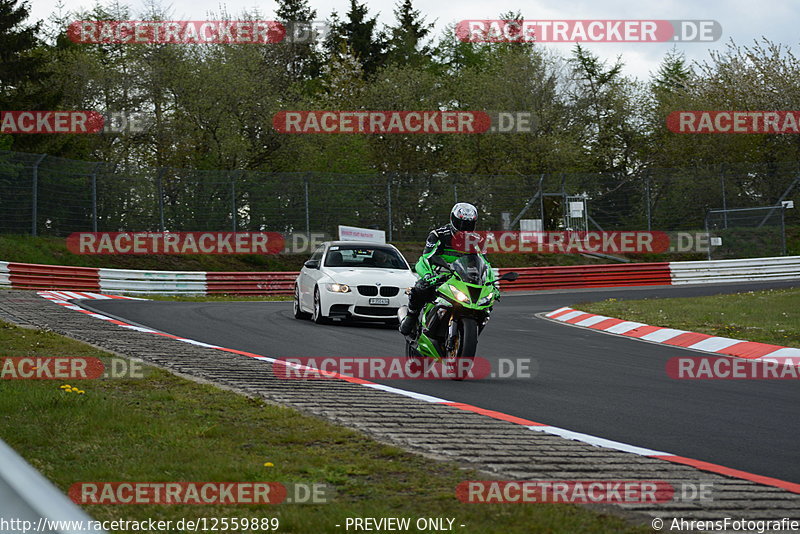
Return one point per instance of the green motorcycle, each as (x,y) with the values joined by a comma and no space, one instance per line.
(448,328)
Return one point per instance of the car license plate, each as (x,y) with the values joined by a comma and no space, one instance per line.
(379,302)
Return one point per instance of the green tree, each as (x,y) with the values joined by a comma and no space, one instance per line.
(300,47)
(19,65)
(359,36)
(406,44)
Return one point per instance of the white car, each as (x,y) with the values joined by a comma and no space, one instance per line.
(353,279)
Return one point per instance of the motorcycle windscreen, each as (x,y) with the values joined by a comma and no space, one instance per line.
(471,268)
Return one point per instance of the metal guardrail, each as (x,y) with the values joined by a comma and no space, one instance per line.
(236,283)
(114,281)
(35,276)
(739,270)
(155,282)
(581,276)
(25,495)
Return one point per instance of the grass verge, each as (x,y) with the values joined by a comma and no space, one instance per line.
(165,428)
(768,316)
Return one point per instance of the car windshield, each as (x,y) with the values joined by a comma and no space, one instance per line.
(471,268)
(364,257)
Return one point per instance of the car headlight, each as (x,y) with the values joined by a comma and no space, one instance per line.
(338,288)
(458,294)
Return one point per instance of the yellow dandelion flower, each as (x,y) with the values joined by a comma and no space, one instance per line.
(269,464)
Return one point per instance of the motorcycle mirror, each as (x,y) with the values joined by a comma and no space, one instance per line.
(509,276)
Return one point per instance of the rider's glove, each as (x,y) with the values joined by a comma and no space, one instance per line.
(431,279)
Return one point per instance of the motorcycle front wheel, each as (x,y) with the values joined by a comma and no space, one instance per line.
(458,361)
(414,358)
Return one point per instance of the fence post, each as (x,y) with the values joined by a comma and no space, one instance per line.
(308,216)
(233,176)
(35,193)
(647,199)
(708,234)
(94,195)
(783,230)
(389,204)
(724,196)
(541,200)
(161,173)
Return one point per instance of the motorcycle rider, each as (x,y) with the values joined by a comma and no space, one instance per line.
(463,218)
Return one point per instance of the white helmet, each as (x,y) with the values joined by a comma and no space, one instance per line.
(463,217)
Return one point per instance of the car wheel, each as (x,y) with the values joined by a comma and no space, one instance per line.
(298,312)
(317,317)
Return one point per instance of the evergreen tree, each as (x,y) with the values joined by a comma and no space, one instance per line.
(359,36)
(300,44)
(673,73)
(406,42)
(19,66)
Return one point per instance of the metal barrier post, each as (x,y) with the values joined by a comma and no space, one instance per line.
(35,193)
(26,495)
(389,205)
(161,173)
(94,195)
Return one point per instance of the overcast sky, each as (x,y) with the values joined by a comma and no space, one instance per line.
(741,20)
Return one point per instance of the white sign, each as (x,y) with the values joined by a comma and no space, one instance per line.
(530,225)
(787,204)
(352,233)
(576,209)
(716,241)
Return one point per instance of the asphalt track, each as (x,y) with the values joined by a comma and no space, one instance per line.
(589,382)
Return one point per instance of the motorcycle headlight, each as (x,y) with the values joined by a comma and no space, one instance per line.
(338,288)
(458,294)
(486,300)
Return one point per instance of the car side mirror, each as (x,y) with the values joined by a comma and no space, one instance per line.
(509,276)
(312,264)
